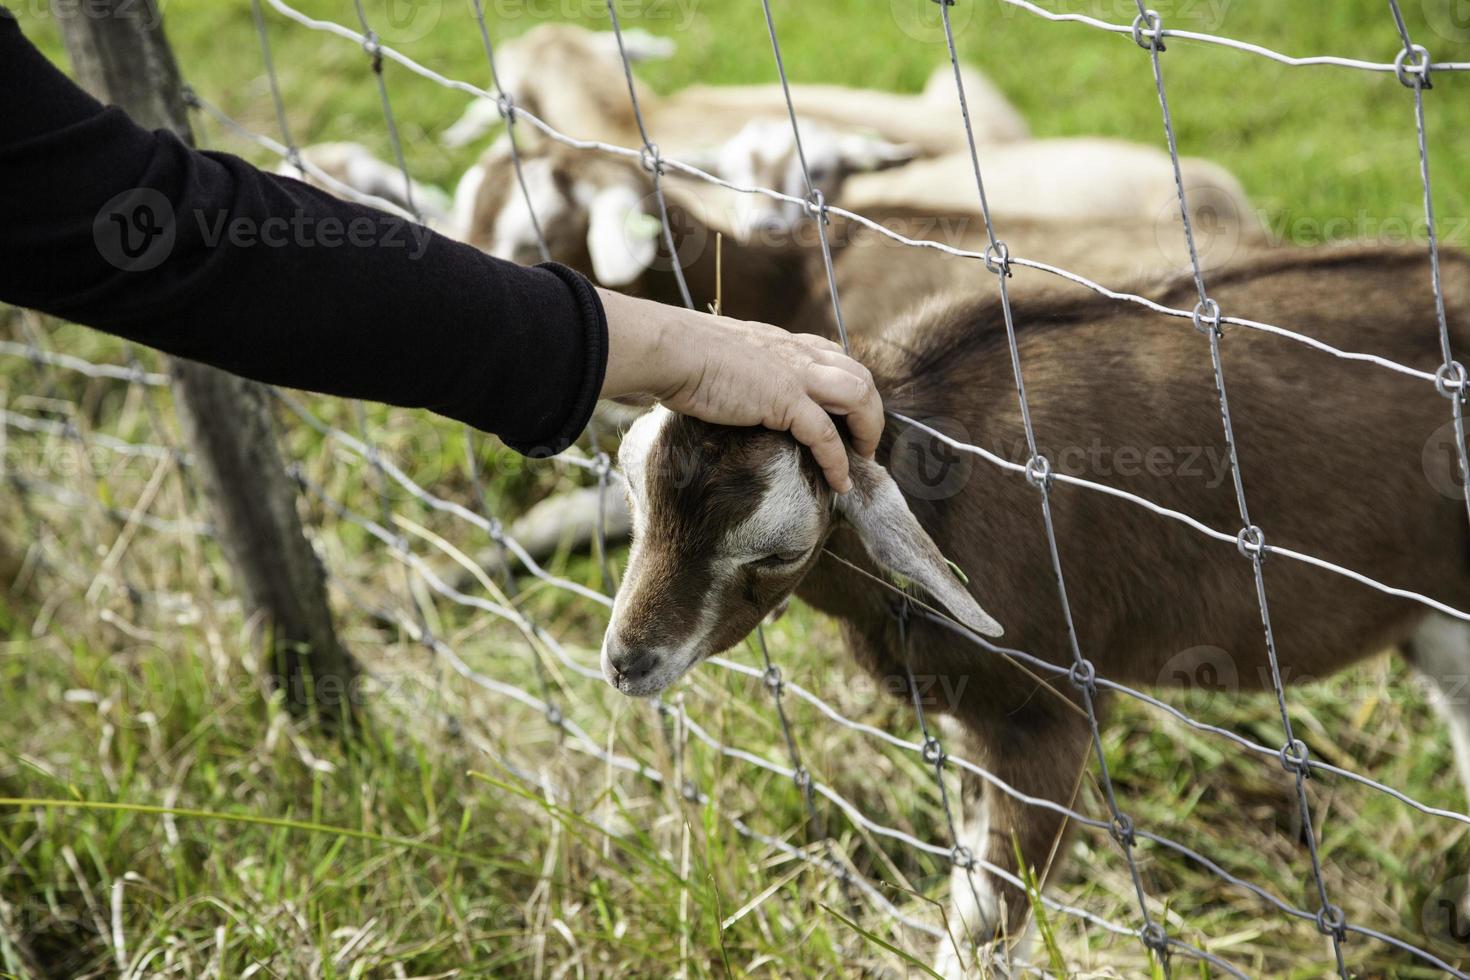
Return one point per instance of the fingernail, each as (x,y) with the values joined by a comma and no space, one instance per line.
(844,486)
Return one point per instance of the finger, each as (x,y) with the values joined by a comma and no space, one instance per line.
(838,359)
(814,428)
(842,393)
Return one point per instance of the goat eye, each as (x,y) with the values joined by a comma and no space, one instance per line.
(779,559)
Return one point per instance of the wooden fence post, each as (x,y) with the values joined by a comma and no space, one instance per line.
(121,55)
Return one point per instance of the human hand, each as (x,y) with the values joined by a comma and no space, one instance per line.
(735,372)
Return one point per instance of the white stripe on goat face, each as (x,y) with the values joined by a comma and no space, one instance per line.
(633,453)
(637,443)
(787,519)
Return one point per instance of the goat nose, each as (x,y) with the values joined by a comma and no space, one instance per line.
(623,665)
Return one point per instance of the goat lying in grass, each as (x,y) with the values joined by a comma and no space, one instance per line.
(739,132)
(572,79)
(727,523)
(598,215)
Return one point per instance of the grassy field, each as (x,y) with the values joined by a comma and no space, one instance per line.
(465,836)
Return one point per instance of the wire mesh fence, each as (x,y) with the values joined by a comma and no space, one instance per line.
(119,468)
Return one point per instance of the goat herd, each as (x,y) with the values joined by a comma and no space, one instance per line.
(1333,452)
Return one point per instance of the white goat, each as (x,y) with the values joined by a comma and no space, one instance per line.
(735,132)
(1059,179)
(573,79)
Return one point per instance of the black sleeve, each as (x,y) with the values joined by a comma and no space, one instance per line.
(203,256)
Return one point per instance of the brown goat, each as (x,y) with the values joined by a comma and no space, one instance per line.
(729,522)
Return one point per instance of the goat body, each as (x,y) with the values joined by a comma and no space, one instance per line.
(1059,179)
(1342,460)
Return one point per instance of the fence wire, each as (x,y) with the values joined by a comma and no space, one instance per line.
(1413,67)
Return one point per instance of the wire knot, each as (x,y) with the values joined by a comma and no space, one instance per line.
(1296,759)
(1251,543)
(649,159)
(816,205)
(802,778)
(1083,676)
(1412,67)
(190,97)
(1038,472)
(998,258)
(689,791)
(1154,34)
(374,47)
(773,679)
(1207,317)
(1121,827)
(1331,921)
(1449,380)
(505,104)
(1155,937)
(293,157)
(962,856)
(933,752)
(602,465)
(554,715)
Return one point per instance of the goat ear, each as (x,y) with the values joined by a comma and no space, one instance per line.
(621,238)
(893,538)
(871,153)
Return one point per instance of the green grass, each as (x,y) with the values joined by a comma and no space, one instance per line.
(137,688)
